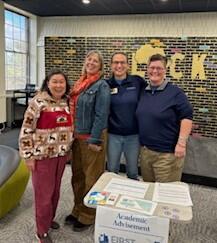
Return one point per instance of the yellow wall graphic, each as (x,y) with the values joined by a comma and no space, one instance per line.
(142,55)
(198,66)
(192,65)
(173,72)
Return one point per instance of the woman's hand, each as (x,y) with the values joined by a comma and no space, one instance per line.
(180,150)
(94,147)
(30,163)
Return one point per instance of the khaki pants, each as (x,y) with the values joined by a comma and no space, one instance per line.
(87,167)
(160,167)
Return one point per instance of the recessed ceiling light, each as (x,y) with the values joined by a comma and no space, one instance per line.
(164,1)
(86,1)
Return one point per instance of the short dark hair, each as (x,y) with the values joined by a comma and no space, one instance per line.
(119,52)
(44,86)
(158,57)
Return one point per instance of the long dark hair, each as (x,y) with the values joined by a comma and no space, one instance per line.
(44,86)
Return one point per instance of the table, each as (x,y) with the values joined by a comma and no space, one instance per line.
(184,213)
(27,94)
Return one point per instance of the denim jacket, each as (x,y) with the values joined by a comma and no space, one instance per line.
(92,111)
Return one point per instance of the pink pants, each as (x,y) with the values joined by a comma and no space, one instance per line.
(46,180)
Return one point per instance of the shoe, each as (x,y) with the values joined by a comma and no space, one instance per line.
(45,238)
(70,220)
(78,226)
(55,225)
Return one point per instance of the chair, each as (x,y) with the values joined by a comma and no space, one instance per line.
(14,176)
(20,101)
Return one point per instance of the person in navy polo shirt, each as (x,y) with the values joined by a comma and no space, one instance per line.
(165,120)
(122,124)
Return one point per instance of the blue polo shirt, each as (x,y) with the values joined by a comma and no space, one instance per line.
(124,99)
(159,114)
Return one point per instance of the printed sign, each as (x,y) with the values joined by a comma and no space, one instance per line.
(114,226)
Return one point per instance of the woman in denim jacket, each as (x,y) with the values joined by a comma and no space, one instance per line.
(89,104)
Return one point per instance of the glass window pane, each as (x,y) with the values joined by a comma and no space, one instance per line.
(16,50)
(10,83)
(9,44)
(10,71)
(16,20)
(18,59)
(16,46)
(22,22)
(8,31)
(9,58)
(23,73)
(8,17)
(23,35)
(23,47)
(20,83)
(18,72)
(24,62)
(17,33)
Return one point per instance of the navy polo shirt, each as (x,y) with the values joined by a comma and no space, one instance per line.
(124,100)
(159,114)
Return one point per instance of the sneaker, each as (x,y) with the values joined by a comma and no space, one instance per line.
(78,226)
(55,225)
(45,238)
(70,220)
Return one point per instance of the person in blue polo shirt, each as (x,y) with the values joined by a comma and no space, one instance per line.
(122,125)
(165,120)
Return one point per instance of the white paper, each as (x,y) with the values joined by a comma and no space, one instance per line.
(112,198)
(172,193)
(136,204)
(127,187)
(122,226)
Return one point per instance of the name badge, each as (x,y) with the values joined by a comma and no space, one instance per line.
(114,91)
(131,88)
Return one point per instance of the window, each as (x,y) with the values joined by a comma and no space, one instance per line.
(16,50)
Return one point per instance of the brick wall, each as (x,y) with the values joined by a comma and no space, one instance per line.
(67,53)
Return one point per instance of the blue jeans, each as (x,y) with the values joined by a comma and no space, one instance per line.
(129,145)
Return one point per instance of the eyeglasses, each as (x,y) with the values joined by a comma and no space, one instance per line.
(158,69)
(119,62)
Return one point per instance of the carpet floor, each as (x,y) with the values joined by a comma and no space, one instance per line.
(18,226)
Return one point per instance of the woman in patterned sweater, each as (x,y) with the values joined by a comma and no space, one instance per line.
(45,139)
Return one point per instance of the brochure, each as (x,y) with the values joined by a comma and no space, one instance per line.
(136,204)
(102,198)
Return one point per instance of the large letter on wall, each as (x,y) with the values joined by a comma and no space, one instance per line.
(134,70)
(173,73)
(197,66)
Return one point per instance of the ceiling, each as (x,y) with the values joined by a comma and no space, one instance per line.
(112,7)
